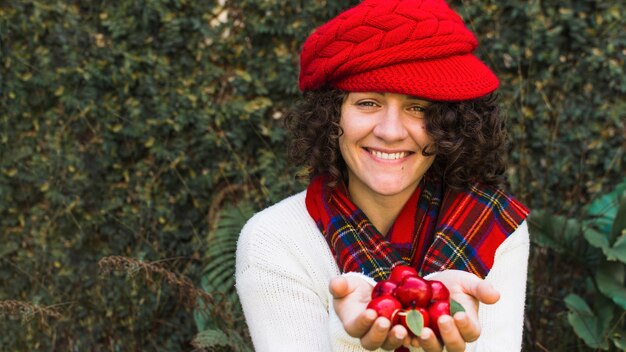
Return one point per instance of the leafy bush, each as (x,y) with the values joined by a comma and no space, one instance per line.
(603,255)
(140,130)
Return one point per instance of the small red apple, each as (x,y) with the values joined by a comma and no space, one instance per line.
(413,292)
(382,288)
(440,291)
(385,306)
(435,311)
(399,272)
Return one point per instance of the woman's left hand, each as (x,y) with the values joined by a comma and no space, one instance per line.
(351,295)
(468,290)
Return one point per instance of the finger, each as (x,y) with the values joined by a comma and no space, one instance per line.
(361,324)
(407,341)
(467,327)
(339,287)
(428,341)
(377,334)
(395,337)
(410,340)
(415,342)
(451,336)
(485,292)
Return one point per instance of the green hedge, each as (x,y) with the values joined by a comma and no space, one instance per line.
(127,126)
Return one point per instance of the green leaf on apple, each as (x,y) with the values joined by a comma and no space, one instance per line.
(415,322)
(455,307)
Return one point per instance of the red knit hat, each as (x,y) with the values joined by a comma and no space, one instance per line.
(415,47)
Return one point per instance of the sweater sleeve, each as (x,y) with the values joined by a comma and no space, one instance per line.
(502,323)
(284,308)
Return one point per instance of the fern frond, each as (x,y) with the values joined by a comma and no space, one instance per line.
(219,276)
(214,338)
(222,248)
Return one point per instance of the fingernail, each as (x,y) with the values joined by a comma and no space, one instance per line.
(446,323)
(370,314)
(460,317)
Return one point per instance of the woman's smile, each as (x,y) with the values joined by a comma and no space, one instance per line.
(386,155)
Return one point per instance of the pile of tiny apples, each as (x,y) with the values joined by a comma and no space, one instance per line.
(406,298)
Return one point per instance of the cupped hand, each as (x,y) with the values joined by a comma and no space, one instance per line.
(351,295)
(468,290)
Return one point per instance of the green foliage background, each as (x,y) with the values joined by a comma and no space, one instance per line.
(130,128)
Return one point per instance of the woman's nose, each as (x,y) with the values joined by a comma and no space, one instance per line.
(390,127)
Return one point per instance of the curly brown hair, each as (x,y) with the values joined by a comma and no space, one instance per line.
(469,138)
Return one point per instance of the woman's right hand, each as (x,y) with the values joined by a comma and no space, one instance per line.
(351,295)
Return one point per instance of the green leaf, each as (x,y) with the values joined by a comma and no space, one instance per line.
(619,224)
(596,238)
(600,240)
(585,323)
(604,210)
(607,204)
(257,104)
(243,75)
(555,231)
(575,303)
(415,321)
(610,279)
(211,338)
(605,320)
(618,251)
(455,307)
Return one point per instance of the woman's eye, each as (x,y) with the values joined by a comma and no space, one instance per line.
(417,108)
(367,104)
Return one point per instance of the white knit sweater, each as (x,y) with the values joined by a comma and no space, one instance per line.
(284,266)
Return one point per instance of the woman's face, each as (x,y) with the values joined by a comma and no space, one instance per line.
(382,142)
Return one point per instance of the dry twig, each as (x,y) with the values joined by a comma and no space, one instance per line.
(190,295)
(26,311)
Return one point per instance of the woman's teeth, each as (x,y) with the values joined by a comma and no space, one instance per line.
(388,156)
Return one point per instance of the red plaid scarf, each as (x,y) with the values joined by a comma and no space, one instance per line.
(437,229)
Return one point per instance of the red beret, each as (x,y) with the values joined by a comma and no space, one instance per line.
(415,47)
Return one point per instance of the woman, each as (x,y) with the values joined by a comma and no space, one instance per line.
(399,129)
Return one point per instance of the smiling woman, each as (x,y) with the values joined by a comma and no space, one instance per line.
(400,131)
